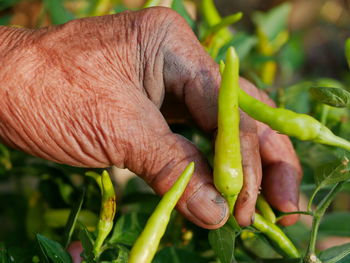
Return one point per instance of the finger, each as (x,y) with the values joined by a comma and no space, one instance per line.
(161,156)
(281,167)
(245,205)
(282,172)
(190,73)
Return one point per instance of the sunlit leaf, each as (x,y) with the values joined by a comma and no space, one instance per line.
(331,96)
(331,174)
(224,23)
(274,21)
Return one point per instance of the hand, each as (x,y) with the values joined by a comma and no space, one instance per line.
(88,94)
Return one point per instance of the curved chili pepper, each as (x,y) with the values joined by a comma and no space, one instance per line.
(276,235)
(301,126)
(147,243)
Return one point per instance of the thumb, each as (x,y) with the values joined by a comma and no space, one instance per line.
(160,159)
(200,203)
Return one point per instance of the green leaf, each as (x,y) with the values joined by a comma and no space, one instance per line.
(58,13)
(242,42)
(7,3)
(331,96)
(5,159)
(222,241)
(57,218)
(128,228)
(123,255)
(283,260)
(4,255)
(177,255)
(336,224)
(331,174)
(335,254)
(53,250)
(179,7)
(4,20)
(225,22)
(347,51)
(73,217)
(274,21)
(88,245)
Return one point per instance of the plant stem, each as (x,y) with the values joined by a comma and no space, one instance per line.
(309,205)
(324,114)
(310,256)
(309,213)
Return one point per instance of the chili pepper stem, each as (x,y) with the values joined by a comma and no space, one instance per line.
(231,200)
(327,137)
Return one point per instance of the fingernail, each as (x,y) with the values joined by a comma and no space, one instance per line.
(208,205)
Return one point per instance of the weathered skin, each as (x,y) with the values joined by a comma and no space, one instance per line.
(88,93)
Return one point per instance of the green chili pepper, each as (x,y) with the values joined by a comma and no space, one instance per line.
(265,209)
(147,243)
(228,174)
(276,235)
(107,212)
(301,126)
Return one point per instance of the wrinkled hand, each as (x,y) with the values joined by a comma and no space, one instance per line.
(88,93)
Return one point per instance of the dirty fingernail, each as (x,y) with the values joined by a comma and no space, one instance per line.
(208,205)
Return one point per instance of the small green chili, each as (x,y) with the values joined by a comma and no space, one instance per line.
(265,209)
(276,235)
(147,243)
(107,212)
(301,126)
(228,174)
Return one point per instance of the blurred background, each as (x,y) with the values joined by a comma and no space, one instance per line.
(305,40)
